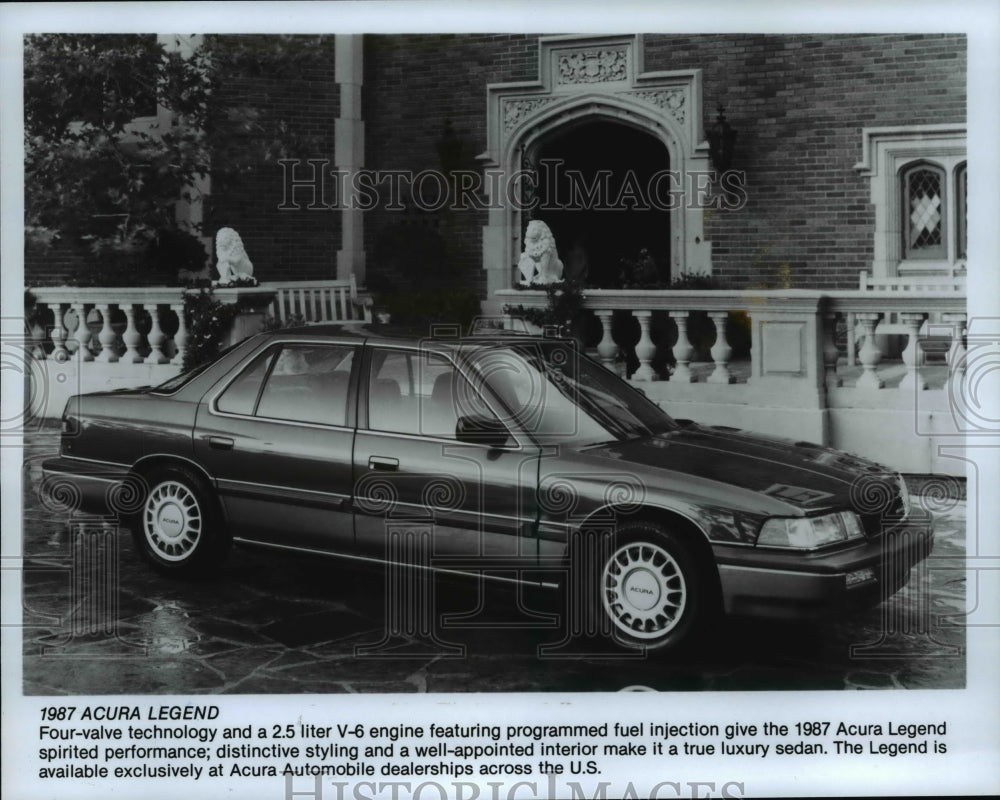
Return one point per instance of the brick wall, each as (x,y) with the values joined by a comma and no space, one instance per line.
(798,102)
(298,110)
(414,87)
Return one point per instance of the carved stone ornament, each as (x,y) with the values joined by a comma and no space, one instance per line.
(539,262)
(673,101)
(232,262)
(514,111)
(593,66)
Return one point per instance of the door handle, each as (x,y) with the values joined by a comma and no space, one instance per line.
(383,463)
(220,442)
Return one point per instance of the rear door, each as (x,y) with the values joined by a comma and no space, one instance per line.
(278,437)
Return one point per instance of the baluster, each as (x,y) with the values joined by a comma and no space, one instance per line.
(869,355)
(156,338)
(107,336)
(131,336)
(721,351)
(830,351)
(58,334)
(645,348)
(682,349)
(180,338)
(82,334)
(912,380)
(607,348)
(957,352)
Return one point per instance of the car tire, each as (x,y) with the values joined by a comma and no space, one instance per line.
(178,529)
(649,587)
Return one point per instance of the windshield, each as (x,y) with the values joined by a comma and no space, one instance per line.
(556,393)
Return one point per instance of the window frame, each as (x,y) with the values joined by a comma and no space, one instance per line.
(888,156)
(274,348)
(364,398)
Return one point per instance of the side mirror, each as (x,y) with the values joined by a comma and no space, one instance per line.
(475,429)
(685,423)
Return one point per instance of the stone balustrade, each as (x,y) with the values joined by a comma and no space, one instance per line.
(110,325)
(85,339)
(800,363)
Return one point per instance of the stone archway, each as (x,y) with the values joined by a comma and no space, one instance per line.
(601,190)
(582,81)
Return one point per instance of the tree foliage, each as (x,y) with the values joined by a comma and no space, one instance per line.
(98,180)
(93,177)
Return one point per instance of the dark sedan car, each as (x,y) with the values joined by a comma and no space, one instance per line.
(509,457)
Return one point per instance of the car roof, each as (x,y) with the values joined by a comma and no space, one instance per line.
(401,334)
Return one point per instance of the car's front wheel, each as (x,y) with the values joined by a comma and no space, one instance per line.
(649,587)
(178,528)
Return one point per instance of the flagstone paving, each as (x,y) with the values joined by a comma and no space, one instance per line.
(270,624)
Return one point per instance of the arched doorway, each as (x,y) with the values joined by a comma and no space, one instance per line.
(595,179)
(594,97)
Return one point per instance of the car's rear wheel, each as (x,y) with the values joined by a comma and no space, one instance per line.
(178,528)
(649,587)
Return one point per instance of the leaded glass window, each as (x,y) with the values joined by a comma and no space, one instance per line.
(924,205)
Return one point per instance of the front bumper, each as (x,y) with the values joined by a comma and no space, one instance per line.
(79,485)
(781,584)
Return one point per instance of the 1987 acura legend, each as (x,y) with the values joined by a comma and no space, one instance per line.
(517,457)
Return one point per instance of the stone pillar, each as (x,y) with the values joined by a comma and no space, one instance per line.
(107,336)
(787,367)
(607,349)
(645,348)
(155,338)
(869,355)
(956,353)
(58,334)
(721,351)
(131,336)
(82,334)
(682,349)
(911,358)
(349,152)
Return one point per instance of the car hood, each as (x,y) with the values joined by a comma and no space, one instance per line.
(800,474)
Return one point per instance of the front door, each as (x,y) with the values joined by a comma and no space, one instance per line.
(470,505)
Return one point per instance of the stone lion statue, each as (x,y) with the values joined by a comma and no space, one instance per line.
(232,260)
(539,263)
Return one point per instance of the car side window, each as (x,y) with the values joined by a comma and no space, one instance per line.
(419,393)
(301,383)
(241,395)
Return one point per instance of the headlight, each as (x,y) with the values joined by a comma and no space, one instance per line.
(808,533)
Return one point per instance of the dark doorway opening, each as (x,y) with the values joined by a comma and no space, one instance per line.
(599,193)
